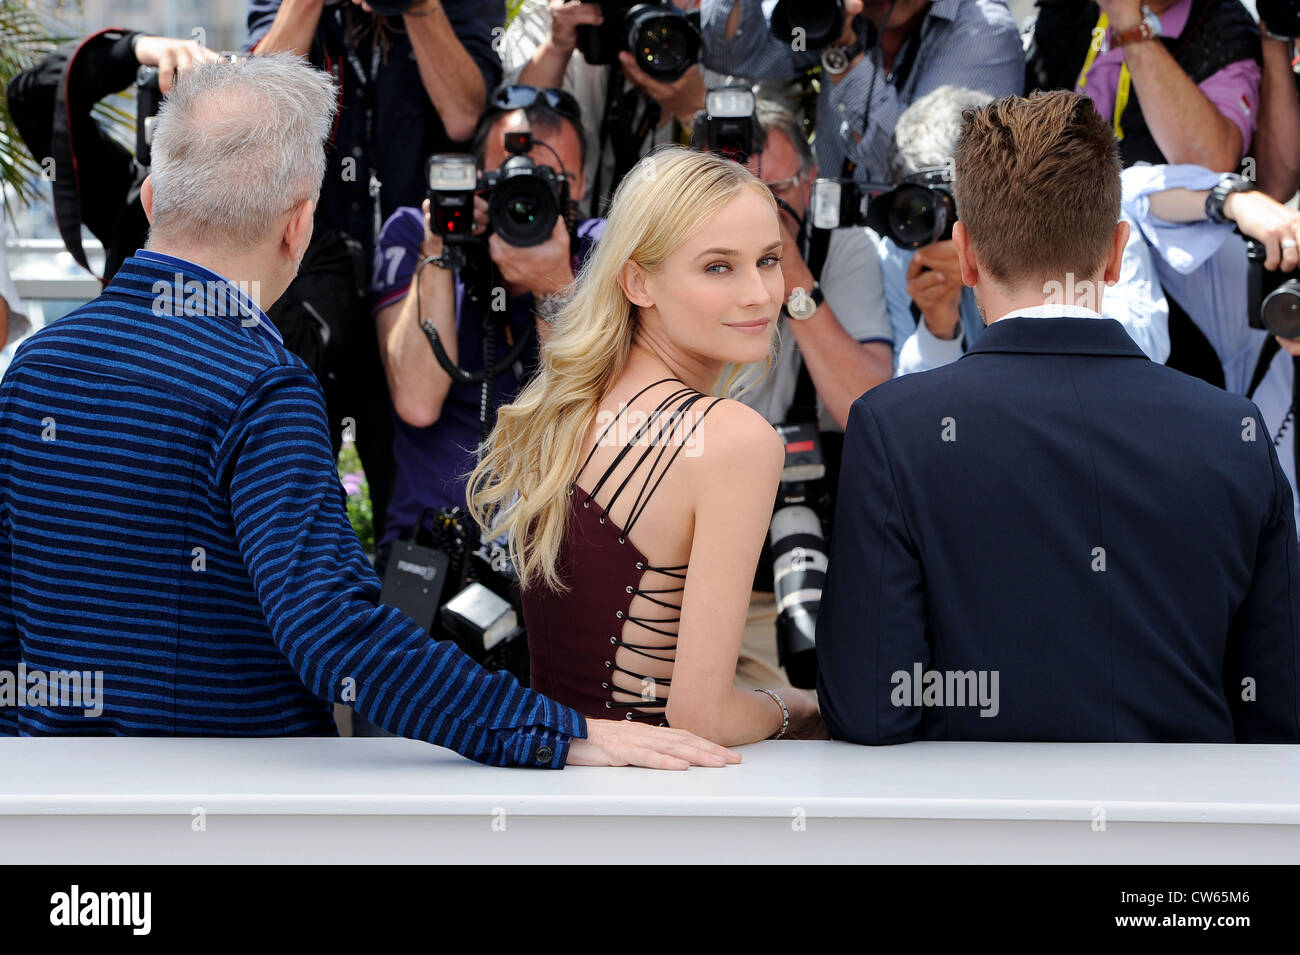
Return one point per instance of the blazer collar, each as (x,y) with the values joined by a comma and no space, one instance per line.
(1057,336)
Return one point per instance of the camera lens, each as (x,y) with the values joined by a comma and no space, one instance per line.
(913,217)
(1281,310)
(663,41)
(523,209)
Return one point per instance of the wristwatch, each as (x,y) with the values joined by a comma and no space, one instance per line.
(803,304)
(1228,184)
(1148,29)
(836,59)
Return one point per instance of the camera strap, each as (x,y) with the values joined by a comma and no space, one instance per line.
(803,407)
(1267,352)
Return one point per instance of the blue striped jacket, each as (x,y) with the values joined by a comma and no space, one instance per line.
(171,516)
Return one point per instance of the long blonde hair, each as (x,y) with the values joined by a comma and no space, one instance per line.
(521,483)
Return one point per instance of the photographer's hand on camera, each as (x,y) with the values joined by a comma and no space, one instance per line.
(172,57)
(1263,218)
(541,269)
(934,284)
(547,66)
(682,98)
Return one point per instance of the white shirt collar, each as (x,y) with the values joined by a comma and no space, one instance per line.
(1053,311)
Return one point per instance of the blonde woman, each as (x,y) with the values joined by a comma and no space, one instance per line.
(635,499)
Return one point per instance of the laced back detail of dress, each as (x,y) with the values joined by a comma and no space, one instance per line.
(630,684)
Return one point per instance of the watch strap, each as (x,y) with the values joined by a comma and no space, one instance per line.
(1227,185)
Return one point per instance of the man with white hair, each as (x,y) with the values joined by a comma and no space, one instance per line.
(170,514)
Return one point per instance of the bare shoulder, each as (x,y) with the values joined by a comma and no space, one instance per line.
(734,441)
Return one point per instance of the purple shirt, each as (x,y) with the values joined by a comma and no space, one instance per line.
(434,462)
(1234,90)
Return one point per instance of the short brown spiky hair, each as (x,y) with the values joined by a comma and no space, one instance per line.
(1037,185)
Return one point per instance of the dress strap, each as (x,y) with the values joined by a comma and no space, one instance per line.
(604,431)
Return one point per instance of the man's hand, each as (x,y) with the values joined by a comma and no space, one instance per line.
(934,284)
(431,246)
(683,97)
(172,57)
(1261,217)
(625,743)
(542,269)
(566,17)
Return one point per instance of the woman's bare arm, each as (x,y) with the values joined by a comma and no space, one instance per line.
(733,480)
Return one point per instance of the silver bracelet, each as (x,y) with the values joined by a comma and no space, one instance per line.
(548,307)
(785,713)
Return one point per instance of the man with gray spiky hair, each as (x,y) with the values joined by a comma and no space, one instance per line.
(170,512)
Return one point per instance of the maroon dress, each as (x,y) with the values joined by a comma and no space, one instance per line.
(574,638)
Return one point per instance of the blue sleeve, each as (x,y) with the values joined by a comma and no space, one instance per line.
(261,14)
(1261,661)
(480,25)
(8,628)
(980,51)
(872,620)
(752,52)
(397,253)
(321,596)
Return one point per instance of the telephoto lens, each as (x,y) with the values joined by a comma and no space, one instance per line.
(798,549)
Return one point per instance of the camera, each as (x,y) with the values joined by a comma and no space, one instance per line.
(1273,297)
(727,126)
(664,40)
(817,23)
(916,212)
(525,199)
(148,98)
(1282,17)
(798,549)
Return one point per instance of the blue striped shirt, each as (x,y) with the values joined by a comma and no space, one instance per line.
(171,516)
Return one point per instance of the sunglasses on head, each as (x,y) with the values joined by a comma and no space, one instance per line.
(524,97)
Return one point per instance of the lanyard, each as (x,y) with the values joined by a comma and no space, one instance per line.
(1125,78)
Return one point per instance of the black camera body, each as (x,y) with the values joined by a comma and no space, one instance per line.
(727,125)
(1282,17)
(525,199)
(916,212)
(148,99)
(1273,297)
(664,40)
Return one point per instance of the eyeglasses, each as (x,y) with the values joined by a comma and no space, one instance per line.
(510,98)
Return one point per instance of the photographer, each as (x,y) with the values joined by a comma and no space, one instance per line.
(1178,80)
(629,110)
(96,180)
(410,84)
(876,59)
(1187,214)
(934,315)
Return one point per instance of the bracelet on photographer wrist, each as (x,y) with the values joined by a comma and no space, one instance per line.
(548,307)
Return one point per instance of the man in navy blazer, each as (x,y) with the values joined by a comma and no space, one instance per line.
(1054,538)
